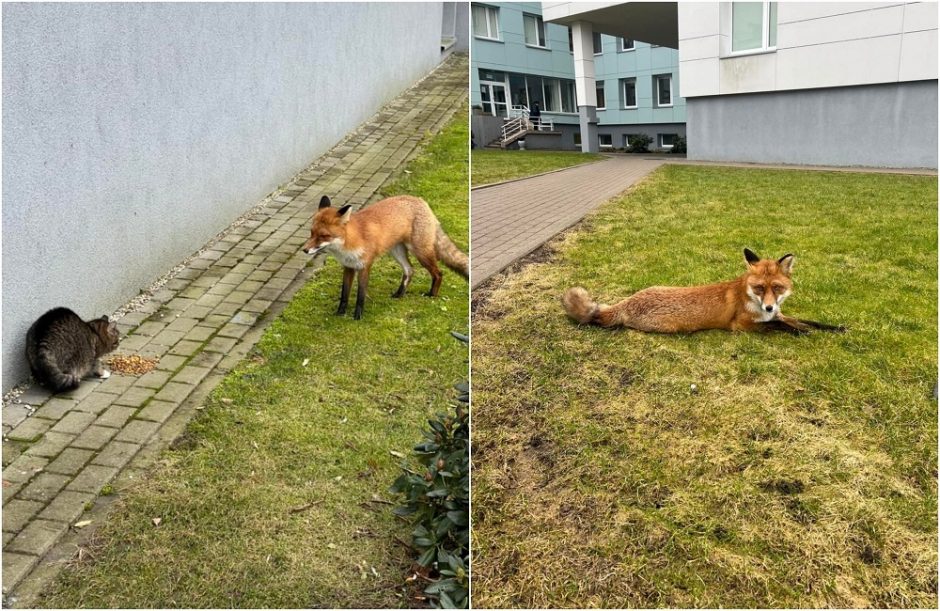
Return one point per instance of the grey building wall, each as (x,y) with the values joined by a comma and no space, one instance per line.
(132,133)
(887,125)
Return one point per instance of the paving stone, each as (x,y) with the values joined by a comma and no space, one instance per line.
(11,451)
(157,411)
(133,343)
(115,385)
(150,328)
(24,468)
(95,403)
(44,487)
(50,445)
(94,437)
(220,344)
(182,324)
(13,414)
(15,568)
(11,489)
(210,300)
(206,359)
(70,461)
(153,379)
(92,479)
(191,375)
(85,388)
(17,513)
(174,392)
(227,308)
(116,454)
(244,318)
(116,416)
(171,362)
(239,297)
(200,333)
(168,337)
(216,320)
(55,408)
(74,422)
(232,330)
(185,347)
(30,429)
(136,318)
(137,431)
(256,306)
(135,396)
(7,537)
(195,312)
(154,351)
(67,506)
(193,292)
(37,537)
(35,395)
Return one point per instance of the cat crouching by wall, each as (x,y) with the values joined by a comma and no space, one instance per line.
(62,348)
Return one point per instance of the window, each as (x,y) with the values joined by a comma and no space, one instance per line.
(601,100)
(626,140)
(627,44)
(606,141)
(628,92)
(485,22)
(534,30)
(667,141)
(567,97)
(663,86)
(570,41)
(753,26)
(577,138)
(598,47)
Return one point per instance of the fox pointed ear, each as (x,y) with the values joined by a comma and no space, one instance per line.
(786,263)
(344,213)
(750,257)
(325,202)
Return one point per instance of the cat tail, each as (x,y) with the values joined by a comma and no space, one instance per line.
(56,379)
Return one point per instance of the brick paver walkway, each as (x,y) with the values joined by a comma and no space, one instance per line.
(510,220)
(58,459)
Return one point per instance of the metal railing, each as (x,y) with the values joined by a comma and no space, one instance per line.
(519,123)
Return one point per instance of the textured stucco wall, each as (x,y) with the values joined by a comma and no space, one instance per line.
(132,133)
(890,125)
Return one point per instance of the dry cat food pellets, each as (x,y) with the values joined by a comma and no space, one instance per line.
(132,364)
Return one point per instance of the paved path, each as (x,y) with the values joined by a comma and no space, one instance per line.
(60,452)
(510,220)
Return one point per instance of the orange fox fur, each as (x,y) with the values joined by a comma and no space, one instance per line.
(397,225)
(750,302)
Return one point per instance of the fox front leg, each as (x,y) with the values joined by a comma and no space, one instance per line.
(361,292)
(348,274)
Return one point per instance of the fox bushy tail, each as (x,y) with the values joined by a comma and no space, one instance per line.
(450,255)
(581,308)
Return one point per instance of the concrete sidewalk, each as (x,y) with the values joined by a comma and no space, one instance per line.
(60,452)
(512,219)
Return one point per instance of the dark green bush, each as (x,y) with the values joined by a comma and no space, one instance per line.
(437,502)
(639,143)
(679,146)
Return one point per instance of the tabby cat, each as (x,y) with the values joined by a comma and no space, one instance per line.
(62,348)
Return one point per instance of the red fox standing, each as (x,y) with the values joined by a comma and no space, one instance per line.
(750,302)
(398,225)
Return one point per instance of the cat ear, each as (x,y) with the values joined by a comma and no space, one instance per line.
(344,213)
(105,318)
(325,202)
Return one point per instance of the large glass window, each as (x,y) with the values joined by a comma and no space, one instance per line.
(568,103)
(485,21)
(601,99)
(534,30)
(753,26)
(598,47)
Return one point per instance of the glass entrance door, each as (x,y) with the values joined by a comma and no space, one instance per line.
(493,98)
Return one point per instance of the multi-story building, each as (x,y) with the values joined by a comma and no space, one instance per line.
(849,84)
(518,60)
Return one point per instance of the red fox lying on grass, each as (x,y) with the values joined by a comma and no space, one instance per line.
(398,225)
(750,302)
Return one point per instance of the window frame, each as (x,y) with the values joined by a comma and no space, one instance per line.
(600,43)
(623,49)
(487,11)
(540,31)
(601,85)
(601,145)
(623,92)
(765,46)
(662,143)
(656,79)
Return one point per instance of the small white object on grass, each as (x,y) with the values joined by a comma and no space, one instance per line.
(694,389)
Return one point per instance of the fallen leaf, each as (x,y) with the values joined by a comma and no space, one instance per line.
(305,363)
(396,454)
(81,524)
(156,521)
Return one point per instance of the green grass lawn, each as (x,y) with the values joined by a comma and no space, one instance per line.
(273,504)
(801,473)
(489,165)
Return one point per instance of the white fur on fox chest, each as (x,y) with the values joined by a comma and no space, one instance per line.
(346,258)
